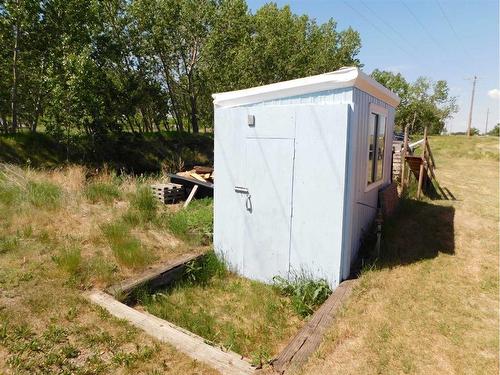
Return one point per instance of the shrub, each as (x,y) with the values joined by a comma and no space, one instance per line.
(43,194)
(306,294)
(101,192)
(193,224)
(126,248)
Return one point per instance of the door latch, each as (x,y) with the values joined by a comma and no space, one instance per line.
(248,201)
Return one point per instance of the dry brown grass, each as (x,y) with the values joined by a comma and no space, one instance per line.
(48,256)
(436,310)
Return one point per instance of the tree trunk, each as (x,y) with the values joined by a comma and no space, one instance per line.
(14,76)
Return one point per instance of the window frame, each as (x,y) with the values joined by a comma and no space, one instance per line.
(379,111)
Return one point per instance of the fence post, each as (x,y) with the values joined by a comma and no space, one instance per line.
(403,160)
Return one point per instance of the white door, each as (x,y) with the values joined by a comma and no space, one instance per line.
(268,196)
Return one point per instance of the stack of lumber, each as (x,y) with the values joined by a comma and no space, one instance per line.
(168,193)
(199,173)
(397,148)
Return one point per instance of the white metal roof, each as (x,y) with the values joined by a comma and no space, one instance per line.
(344,77)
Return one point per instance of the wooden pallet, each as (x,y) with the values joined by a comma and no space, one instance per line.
(168,193)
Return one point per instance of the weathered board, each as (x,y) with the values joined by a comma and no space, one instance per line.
(196,347)
(308,339)
(154,277)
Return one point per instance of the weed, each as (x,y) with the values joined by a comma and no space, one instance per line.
(306,293)
(101,192)
(203,269)
(126,248)
(69,351)
(70,260)
(43,194)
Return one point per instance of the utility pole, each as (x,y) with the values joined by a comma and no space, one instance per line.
(487,115)
(471,105)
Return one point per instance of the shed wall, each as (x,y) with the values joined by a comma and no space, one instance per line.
(362,203)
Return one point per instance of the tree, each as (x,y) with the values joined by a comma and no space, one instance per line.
(495,131)
(423,102)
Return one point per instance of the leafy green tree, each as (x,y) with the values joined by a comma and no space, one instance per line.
(423,102)
(495,131)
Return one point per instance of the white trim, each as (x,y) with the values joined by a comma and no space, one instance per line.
(375,108)
(344,77)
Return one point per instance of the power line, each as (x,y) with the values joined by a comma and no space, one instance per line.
(429,34)
(381,31)
(452,28)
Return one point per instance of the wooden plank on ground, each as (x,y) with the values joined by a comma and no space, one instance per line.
(226,362)
(157,276)
(308,339)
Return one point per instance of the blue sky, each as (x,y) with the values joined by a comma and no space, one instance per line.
(439,39)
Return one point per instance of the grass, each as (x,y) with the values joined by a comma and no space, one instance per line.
(101,192)
(193,224)
(429,305)
(248,317)
(59,236)
(43,194)
(305,293)
(127,249)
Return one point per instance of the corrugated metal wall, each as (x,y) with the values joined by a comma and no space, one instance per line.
(361,209)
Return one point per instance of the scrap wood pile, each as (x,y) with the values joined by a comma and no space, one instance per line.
(184,186)
(199,173)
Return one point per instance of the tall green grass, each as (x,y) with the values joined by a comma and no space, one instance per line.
(101,192)
(126,248)
(143,206)
(193,224)
(70,260)
(43,194)
(248,317)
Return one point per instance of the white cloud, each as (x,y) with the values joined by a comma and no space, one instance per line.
(494,94)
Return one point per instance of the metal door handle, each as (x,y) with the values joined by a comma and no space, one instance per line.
(241,189)
(248,203)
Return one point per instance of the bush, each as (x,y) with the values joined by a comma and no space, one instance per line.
(101,192)
(306,294)
(126,248)
(44,194)
(193,224)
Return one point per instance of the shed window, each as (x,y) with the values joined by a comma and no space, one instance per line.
(376,147)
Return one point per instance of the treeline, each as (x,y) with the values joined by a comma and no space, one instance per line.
(424,103)
(93,67)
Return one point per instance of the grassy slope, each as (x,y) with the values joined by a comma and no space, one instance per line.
(138,154)
(61,235)
(431,304)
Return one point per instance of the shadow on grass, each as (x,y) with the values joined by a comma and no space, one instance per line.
(418,231)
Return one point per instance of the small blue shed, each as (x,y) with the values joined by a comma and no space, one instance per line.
(298,168)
